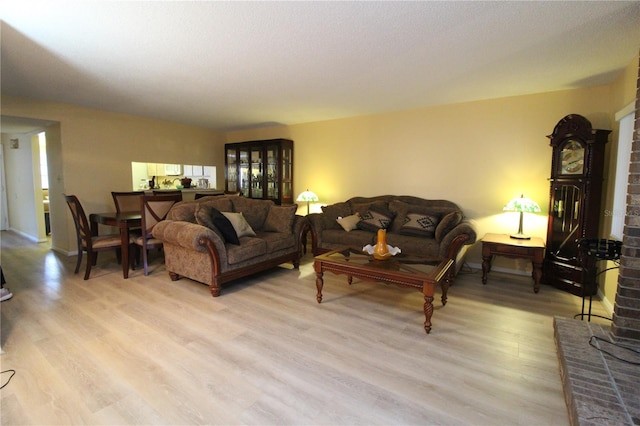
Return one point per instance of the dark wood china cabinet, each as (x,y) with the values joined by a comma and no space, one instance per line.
(260,169)
(574,208)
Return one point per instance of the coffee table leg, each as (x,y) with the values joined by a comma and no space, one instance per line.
(444,285)
(428,312)
(319,284)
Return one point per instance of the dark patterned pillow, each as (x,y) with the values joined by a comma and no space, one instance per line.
(448,222)
(280,218)
(212,218)
(375,218)
(420,224)
(254,210)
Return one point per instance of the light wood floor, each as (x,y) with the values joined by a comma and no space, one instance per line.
(151,351)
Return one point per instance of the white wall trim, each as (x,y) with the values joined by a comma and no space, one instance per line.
(27,236)
(631,107)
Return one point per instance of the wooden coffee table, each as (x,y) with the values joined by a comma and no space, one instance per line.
(396,271)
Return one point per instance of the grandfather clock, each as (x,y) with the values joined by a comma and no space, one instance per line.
(574,207)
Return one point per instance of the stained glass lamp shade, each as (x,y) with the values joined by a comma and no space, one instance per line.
(308,197)
(521,205)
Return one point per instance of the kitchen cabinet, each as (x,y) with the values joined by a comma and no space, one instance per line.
(172,170)
(155,169)
(208,171)
(260,169)
(162,169)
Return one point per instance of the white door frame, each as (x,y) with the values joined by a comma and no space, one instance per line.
(4,215)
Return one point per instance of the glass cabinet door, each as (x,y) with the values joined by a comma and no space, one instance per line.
(565,221)
(243,170)
(261,169)
(232,169)
(272,178)
(287,173)
(257,170)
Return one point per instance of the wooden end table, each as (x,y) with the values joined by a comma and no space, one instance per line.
(394,271)
(504,245)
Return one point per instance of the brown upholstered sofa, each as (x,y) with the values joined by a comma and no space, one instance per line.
(200,248)
(421,228)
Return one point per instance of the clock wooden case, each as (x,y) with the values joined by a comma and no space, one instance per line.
(574,207)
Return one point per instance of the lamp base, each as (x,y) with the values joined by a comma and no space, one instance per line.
(520,236)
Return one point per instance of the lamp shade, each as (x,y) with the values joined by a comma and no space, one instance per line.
(307,196)
(521,205)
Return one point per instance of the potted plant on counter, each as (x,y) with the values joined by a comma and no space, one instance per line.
(186,182)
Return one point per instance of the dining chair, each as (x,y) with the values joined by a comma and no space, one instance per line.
(154,209)
(127,201)
(92,244)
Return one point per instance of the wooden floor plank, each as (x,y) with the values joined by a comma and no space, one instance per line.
(148,350)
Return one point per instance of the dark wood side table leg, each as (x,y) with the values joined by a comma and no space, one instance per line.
(486,267)
(537,275)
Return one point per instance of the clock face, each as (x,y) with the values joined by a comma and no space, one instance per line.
(572,158)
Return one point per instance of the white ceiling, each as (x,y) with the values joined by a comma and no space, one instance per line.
(226,65)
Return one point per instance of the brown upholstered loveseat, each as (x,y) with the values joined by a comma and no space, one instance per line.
(198,248)
(421,228)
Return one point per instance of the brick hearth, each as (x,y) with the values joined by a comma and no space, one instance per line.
(599,389)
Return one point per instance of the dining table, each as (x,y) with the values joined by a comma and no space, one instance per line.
(125,221)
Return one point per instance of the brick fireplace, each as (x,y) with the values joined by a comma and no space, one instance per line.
(626,315)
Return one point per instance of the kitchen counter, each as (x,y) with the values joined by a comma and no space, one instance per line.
(187,194)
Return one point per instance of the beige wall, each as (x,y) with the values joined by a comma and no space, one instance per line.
(477,154)
(97,149)
(623,92)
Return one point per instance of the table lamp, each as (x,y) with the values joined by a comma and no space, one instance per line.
(521,205)
(308,197)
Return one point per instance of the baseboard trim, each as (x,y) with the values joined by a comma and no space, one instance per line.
(500,269)
(27,236)
(607,304)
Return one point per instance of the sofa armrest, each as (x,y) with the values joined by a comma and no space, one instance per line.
(452,242)
(187,235)
(300,227)
(316,226)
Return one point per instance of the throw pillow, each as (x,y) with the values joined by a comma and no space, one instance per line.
(363,208)
(280,219)
(349,223)
(222,204)
(375,218)
(184,211)
(255,211)
(334,211)
(448,222)
(213,219)
(240,224)
(419,224)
